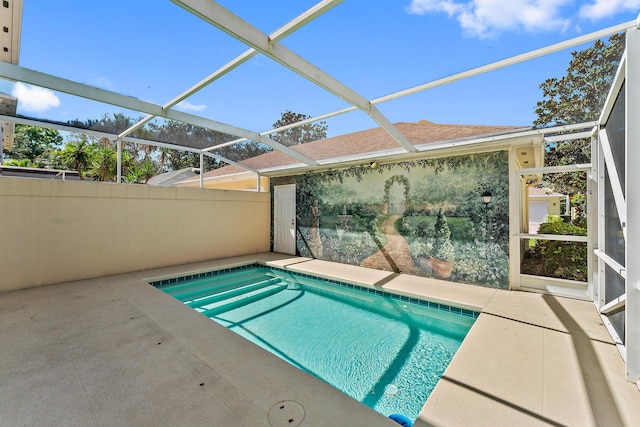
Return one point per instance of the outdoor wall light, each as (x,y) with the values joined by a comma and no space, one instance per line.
(373,164)
(486,197)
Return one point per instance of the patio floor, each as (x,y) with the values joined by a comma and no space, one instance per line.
(116,351)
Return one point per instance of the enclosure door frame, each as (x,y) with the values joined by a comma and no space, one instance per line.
(625,192)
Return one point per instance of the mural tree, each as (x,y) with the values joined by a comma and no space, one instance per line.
(443,252)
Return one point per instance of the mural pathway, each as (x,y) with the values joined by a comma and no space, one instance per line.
(395,255)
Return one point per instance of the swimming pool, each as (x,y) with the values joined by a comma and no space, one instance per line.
(384,350)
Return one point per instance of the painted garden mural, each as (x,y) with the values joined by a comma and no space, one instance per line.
(425,217)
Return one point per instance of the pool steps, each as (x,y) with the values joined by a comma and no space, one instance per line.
(202,288)
(239,288)
(243,299)
(226,294)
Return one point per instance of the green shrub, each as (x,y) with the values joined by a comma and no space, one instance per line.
(561,259)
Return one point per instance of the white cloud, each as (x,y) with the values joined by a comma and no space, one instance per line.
(184,105)
(484,18)
(104,82)
(599,9)
(34,98)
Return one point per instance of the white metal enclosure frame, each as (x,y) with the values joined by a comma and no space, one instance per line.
(603,168)
(271,48)
(615,176)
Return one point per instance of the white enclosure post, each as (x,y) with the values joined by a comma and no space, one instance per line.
(201,169)
(119,161)
(514,223)
(632,311)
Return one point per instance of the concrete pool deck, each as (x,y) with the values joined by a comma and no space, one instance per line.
(115,351)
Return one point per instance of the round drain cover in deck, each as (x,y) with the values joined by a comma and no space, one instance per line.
(286,414)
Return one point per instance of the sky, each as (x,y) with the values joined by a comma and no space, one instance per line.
(155,50)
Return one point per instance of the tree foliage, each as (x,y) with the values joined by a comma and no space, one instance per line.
(300,134)
(577,97)
(37,145)
(78,155)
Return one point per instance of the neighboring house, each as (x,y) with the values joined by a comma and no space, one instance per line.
(8,105)
(173,177)
(544,202)
(18,171)
(353,148)
(228,178)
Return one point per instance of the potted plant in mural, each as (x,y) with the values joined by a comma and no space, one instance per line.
(443,253)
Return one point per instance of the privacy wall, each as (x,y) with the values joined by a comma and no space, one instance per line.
(424,217)
(57,231)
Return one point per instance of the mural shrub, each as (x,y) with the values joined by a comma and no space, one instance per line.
(482,263)
(402,225)
(423,229)
(442,247)
(421,249)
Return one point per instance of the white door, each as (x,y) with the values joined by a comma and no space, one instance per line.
(538,212)
(284,219)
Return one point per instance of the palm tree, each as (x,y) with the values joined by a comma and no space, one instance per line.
(135,175)
(105,164)
(78,155)
(148,170)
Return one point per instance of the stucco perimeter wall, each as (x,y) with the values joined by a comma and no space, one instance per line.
(55,231)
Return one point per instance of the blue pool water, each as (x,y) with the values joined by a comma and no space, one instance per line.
(386,351)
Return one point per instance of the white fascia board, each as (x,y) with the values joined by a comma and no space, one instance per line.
(566,137)
(233,25)
(510,137)
(362,157)
(285,168)
(514,135)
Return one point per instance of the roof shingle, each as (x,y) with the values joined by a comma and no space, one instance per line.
(366,141)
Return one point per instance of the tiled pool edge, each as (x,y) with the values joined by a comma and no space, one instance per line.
(403,298)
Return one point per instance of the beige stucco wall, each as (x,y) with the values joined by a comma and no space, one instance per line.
(54,231)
